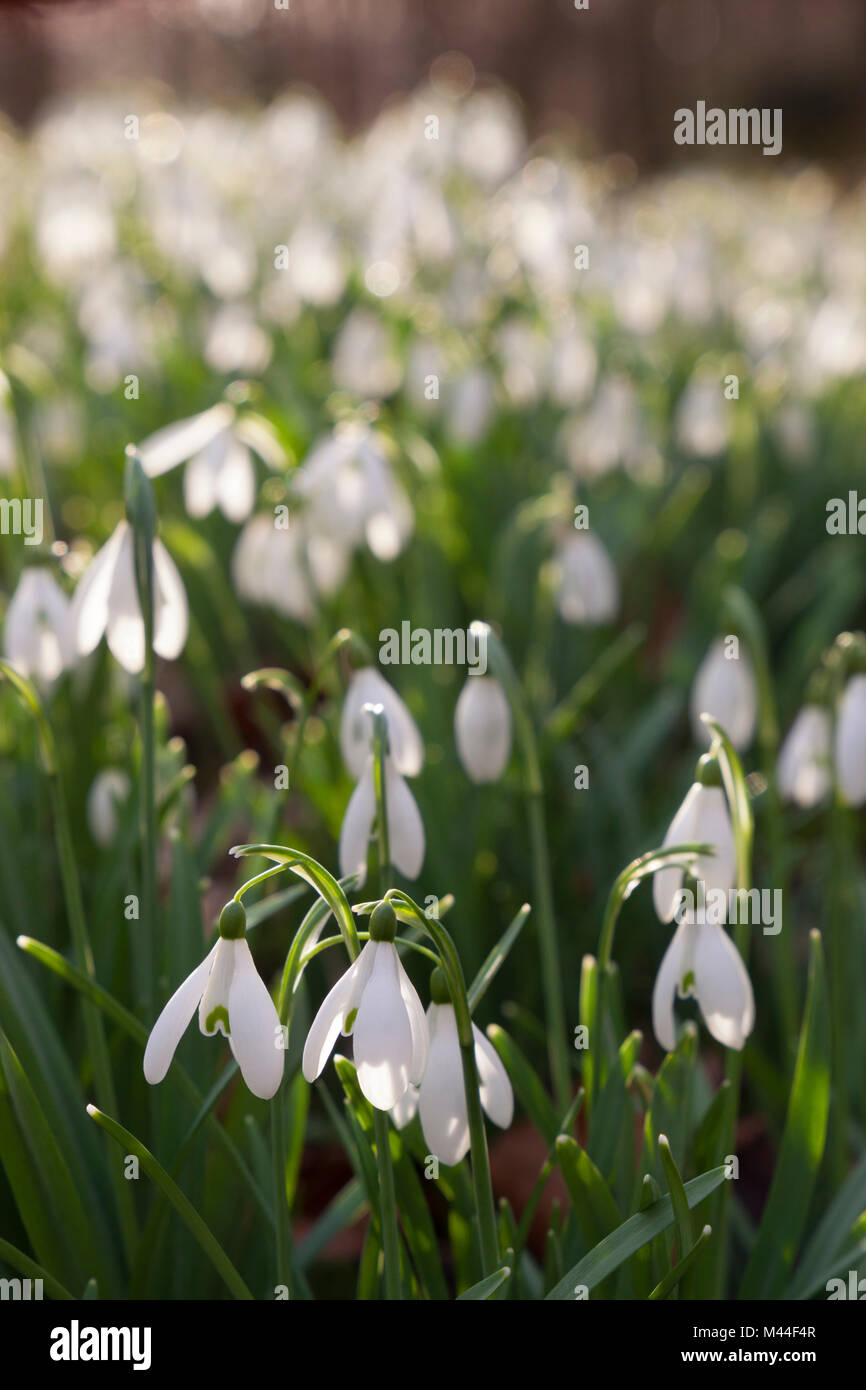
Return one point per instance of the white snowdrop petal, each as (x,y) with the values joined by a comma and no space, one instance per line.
(725,688)
(482,728)
(171,618)
(174,1020)
(850,742)
(803,769)
(418,1025)
(722,986)
(668,882)
(125,626)
(405,826)
(442,1099)
(666,986)
(713,827)
(174,443)
(383,1036)
(199,478)
(588,591)
(90,601)
(213,1008)
(406,1108)
(357,825)
(497,1096)
(235,483)
(255,1036)
(328,1023)
(356,729)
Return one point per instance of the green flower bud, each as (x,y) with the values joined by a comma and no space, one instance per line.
(383,923)
(233,921)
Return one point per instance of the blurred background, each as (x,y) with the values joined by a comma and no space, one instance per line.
(614,71)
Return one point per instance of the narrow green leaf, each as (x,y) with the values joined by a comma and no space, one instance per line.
(486,1287)
(682,1267)
(594,1208)
(31,1270)
(182,1205)
(787,1208)
(609,1254)
(530,1091)
(497,957)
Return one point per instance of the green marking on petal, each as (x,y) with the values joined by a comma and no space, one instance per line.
(350,1020)
(687,984)
(218,1015)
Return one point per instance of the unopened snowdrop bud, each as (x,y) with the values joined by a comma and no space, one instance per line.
(588,589)
(109,790)
(703,818)
(232,999)
(375,1002)
(405,826)
(37,636)
(703,963)
(106,601)
(850,742)
(406,746)
(482,728)
(725,688)
(803,769)
(441,1099)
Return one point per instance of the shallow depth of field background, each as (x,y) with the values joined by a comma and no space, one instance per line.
(732,263)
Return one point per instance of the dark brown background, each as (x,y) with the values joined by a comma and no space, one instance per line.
(620,68)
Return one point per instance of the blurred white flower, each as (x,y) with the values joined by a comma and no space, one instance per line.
(703,963)
(469,406)
(587,590)
(215,445)
(700,421)
(850,742)
(441,1098)
(406,746)
(482,728)
(724,687)
(286,568)
(351,493)
(610,433)
(108,792)
(364,361)
(703,818)
(233,1000)
(37,634)
(375,1002)
(235,342)
(106,601)
(803,770)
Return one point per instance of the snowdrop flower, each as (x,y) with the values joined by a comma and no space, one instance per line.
(106,601)
(482,728)
(352,495)
(406,746)
(109,790)
(803,769)
(703,963)
(37,637)
(725,688)
(232,999)
(850,742)
(700,422)
(215,446)
(703,818)
(375,1002)
(405,826)
(441,1099)
(588,590)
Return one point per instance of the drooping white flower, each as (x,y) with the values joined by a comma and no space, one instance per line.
(850,742)
(700,423)
(482,728)
(109,790)
(375,1002)
(37,635)
(702,962)
(215,445)
(703,818)
(286,569)
(232,999)
(106,601)
(351,494)
(803,770)
(725,688)
(405,827)
(588,589)
(406,747)
(441,1098)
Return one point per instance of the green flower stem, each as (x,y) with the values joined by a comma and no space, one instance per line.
(281,1209)
(141,512)
(551,968)
(93,1023)
(743,828)
(408,911)
(382,1124)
